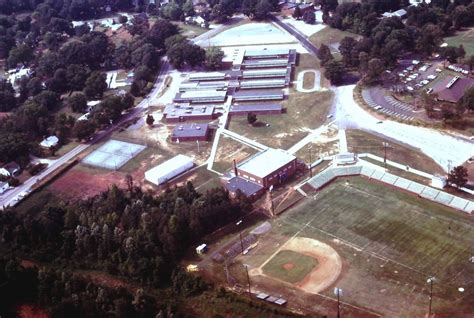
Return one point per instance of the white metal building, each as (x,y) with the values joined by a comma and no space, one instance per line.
(169,169)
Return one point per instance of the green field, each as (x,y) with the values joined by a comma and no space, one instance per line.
(466,38)
(304,111)
(290,266)
(391,242)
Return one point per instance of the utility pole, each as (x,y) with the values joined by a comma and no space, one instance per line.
(338,292)
(430,281)
(240,235)
(385,144)
(248,280)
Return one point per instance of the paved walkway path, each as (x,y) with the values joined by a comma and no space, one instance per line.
(308,139)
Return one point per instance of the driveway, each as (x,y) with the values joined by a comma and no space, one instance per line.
(444,148)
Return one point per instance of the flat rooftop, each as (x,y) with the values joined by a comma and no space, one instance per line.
(176,111)
(276,72)
(263,82)
(259,94)
(190,130)
(266,63)
(247,187)
(266,162)
(206,75)
(266,52)
(192,86)
(201,96)
(256,108)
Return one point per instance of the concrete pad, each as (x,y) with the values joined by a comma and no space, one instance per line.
(389,178)
(429,193)
(444,198)
(459,203)
(402,183)
(415,187)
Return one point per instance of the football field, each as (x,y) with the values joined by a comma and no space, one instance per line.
(390,243)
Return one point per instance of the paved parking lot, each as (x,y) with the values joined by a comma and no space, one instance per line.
(377,98)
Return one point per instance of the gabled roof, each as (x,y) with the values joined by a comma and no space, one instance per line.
(454,93)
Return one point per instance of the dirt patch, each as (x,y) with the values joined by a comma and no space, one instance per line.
(31,311)
(80,183)
(288,266)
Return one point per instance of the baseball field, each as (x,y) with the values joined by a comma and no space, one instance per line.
(376,243)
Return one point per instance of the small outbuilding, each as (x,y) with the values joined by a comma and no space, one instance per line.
(190,132)
(439,182)
(4,187)
(50,142)
(250,189)
(201,249)
(10,169)
(169,169)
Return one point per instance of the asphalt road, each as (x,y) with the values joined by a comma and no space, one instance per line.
(10,198)
(301,38)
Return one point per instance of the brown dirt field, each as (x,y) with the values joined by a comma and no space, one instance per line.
(288,266)
(106,280)
(31,311)
(78,183)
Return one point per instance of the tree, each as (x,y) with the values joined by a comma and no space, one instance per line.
(48,100)
(214,56)
(251,118)
(20,54)
(458,176)
(467,101)
(76,76)
(375,67)
(248,8)
(7,96)
(13,146)
(185,52)
(83,129)
(95,85)
(173,40)
(150,120)
(334,71)
(160,31)
(297,13)
(324,54)
(309,17)
(262,9)
(188,8)
(172,11)
(78,102)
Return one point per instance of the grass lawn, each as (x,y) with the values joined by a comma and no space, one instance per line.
(190,31)
(329,36)
(304,111)
(228,150)
(391,242)
(359,141)
(464,37)
(290,266)
(308,80)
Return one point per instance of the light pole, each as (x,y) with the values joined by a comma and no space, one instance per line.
(430,281)
(248,279)
(385,145)
(240,235)
(338,292)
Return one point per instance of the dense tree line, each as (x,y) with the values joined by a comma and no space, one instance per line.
(124,232)
(383,41)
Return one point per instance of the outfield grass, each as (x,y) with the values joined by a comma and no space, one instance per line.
(464,37)
(290,266)
(391,242)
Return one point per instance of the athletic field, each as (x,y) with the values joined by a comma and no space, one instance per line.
(390,243)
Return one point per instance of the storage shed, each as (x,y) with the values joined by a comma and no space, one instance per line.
(169,169)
